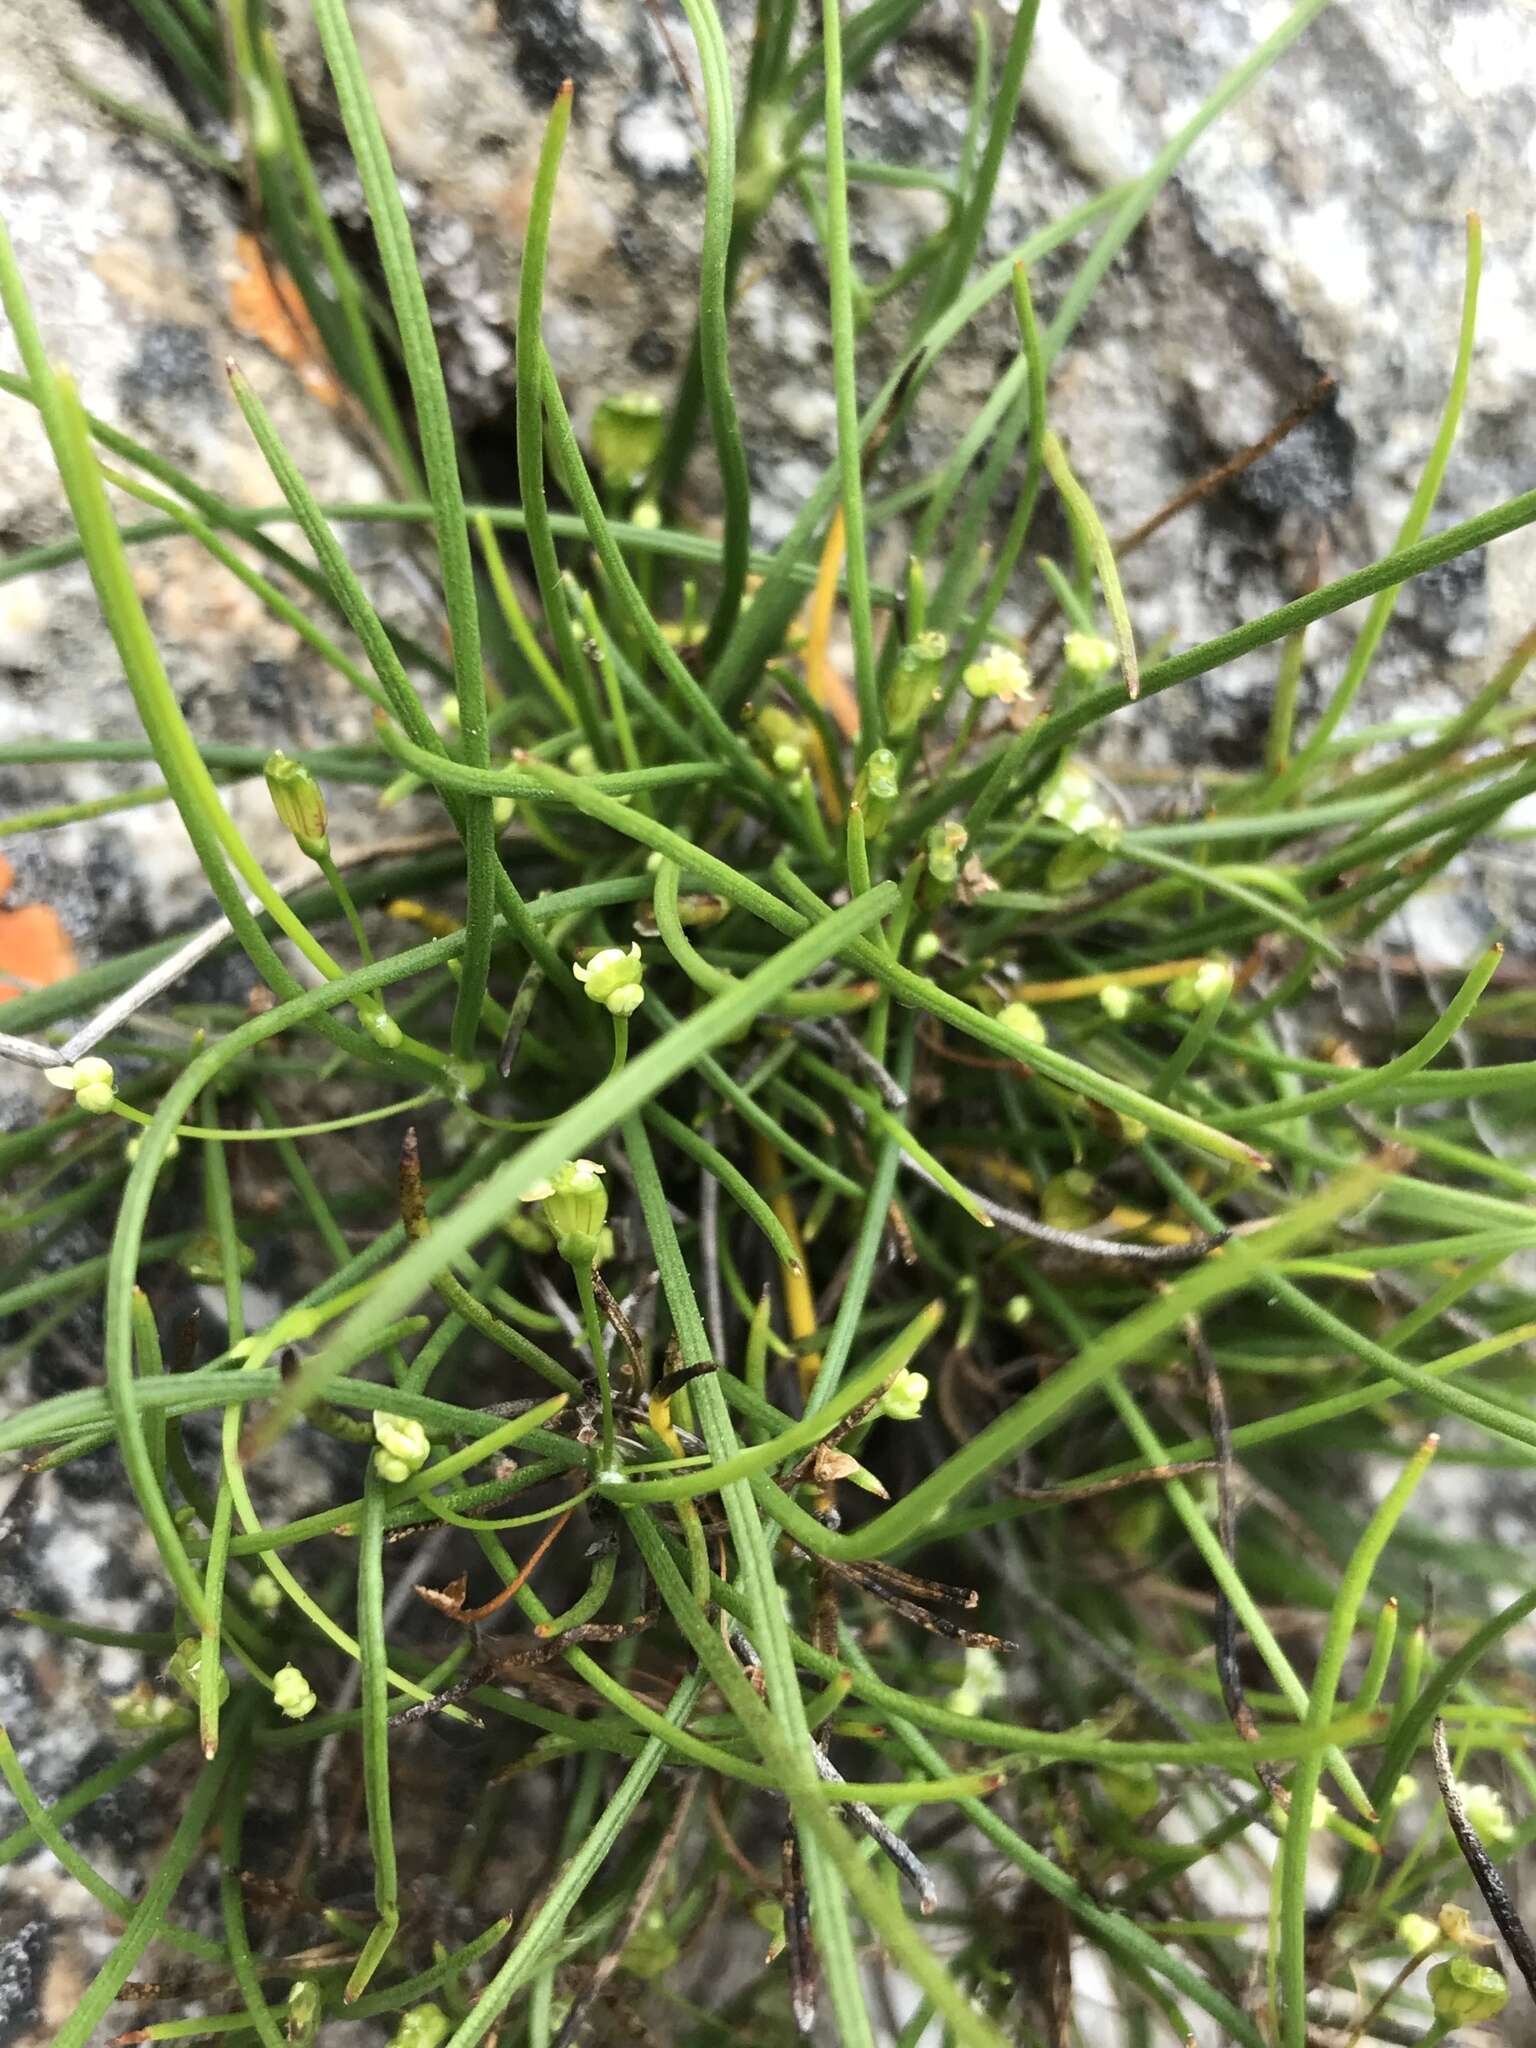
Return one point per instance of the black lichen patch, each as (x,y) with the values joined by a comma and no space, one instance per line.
(174,366)
(1314,468)
(550,44)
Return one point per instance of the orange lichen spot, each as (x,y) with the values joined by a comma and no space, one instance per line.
(35,949)
(265,303)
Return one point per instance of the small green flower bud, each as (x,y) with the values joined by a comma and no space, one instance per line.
(581,761)
(903,1400)
(914,684)
(1131,1789)
(1323,1810)
(769,1915)
(981,1684)
(999,673)
(647,515)
(133,1146)
(402,1446)
(699,909)
(1088,657)
(292,1693)
(614,978)
(925,947)
(143,1707)
(1133,1530)
(1191,992)
(422,2026)
(503,809)
(265,1594)
(575,1206)
(449,713)
(946,843)
(761,160)
(186,1668)
(1416,1933)
(875,791)
(1018,1309)
(202,1257)
(1486,1811)
(1071,800)
(1066,1200)
(1071,865)
(1116,1002)
(627,431)
(90,1081)
(650,1951)
(784,741)
(1461,1990)
(299,803)
(532,1233)
(301,2022)
(1020,1018)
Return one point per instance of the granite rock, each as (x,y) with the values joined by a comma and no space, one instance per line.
(130,255)
(1317,226)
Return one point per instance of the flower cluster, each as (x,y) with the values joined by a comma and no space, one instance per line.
(1071,800)
(90,1081)
(615,978)
(999,673)
(292,1693)
(402,1446)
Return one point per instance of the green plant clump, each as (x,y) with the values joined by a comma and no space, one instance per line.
(805,1216)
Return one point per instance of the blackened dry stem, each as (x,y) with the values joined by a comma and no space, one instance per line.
(623,1328)
(1225,1620)
(1079,1241)
(413,1189)
(1093,1489)
(519,1658)
(902,1854)
(517,1018)
(928,1590)
(799,1951)
(902,1593)
(1485,1875)
(185,1341)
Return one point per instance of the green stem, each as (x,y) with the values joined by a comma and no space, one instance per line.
(1304,1780)
(845,384)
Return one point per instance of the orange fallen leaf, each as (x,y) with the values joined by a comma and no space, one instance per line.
(822,679)
(35,949)
(265,303)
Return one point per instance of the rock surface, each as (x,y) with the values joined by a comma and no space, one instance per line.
(1317,227)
